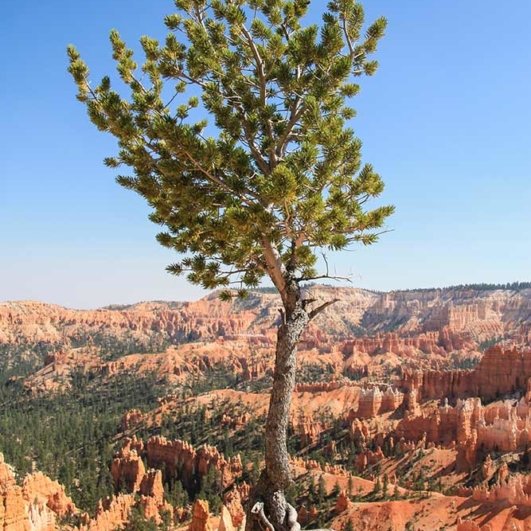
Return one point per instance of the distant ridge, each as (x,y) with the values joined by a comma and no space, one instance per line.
(266,290)
(511,286)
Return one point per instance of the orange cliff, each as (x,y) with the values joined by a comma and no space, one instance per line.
(238,336)
(129,473)
(438,342)
(466,424)
(176,457)
(440,318)
(501,371)
(509,502)
(208,317)
(38,504)
(180,460)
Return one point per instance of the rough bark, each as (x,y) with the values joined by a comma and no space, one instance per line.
(276,476)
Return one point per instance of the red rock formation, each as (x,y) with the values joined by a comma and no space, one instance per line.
(515,491)
(112,513)
(308,429)
(208,317)
(34,506)
(501,371)
(151,486)
(372,402)
(128,471)
(368,458)
(233,502)
(14,509)
(130,419)
(487,469)
(39,487)
(439,342)
(468,525)
(439,318)
(240,336)
(342,503)
(225,522)
(177,458)
(502,426)
(200,517)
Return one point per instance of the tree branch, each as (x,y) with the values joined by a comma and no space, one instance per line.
(216,180)
(319,277)
(295,116)
(259,63)
(275,268)
(319,309)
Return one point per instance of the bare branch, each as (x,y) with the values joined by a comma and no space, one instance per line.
(347,36)
(320,277)
(305,302)
(319,309)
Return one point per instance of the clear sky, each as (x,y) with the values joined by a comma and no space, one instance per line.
(446,121)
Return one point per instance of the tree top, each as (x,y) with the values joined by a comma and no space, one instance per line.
(271,173)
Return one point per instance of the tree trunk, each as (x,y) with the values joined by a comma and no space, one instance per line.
(276,476)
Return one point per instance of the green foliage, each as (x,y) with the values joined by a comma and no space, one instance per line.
(396,492)
(313,373)
(139,522)
(485,345)
(350,486)
(456,361)
(70,436)
(385,487)
(175,493)
(321,489)
(277,174)
(17,360)
(311,490)
(512,286)
(211,490)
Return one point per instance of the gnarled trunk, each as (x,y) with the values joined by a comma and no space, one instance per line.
(276,476)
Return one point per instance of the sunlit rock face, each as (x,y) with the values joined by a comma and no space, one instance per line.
(502,371)
(441,318)
(36,505)
(377,379)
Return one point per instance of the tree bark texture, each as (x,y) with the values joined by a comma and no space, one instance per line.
(276,476)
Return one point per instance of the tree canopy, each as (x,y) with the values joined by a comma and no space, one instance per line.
(277,176)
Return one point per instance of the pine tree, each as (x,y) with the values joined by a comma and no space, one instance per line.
(276,178)
(321,490)
(336,490)
(385,486)
(396,493)
(311,491)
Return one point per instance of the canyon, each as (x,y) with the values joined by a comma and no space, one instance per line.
(439,319)
(412,411)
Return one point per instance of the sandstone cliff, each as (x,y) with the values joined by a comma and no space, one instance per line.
(501,371)
(37,505)
(438,314)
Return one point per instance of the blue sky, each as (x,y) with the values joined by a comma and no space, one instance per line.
(446,121)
